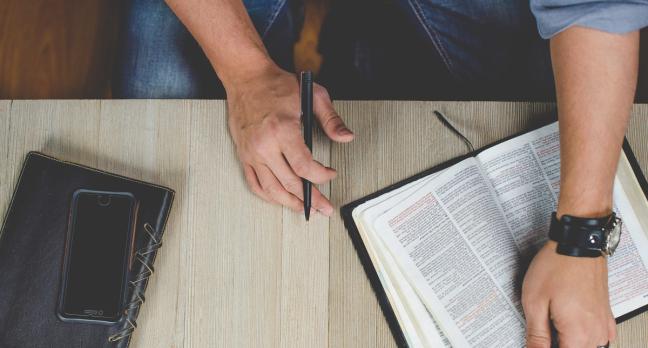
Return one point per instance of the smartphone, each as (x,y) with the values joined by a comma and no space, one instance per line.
(98,254)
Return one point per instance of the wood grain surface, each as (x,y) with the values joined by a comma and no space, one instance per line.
(234,270)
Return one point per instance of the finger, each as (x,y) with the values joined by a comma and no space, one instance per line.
(286,176)
(273,188)
(538,333)
(328,118)
(584,333)
(294,184)
(253,183)
(301,160)
(321,203)
(611,328)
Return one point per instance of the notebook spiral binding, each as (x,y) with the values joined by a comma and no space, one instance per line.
(137,297)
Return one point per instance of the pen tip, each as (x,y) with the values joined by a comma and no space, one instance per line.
(307,214)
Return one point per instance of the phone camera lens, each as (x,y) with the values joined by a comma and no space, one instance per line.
(103,201)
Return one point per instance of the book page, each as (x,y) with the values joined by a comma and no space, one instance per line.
(525,173)
(628,267)
(418,325)
(452,242)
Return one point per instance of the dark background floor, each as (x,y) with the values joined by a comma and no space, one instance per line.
(56,48)
(65,49)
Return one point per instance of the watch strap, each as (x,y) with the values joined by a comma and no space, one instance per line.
(569,250)
(582,237)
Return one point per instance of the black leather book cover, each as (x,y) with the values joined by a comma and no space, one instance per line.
(32,242)
(347,211)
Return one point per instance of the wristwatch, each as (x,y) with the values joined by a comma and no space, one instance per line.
(585,237)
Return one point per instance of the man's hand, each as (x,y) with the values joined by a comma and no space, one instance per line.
(572,292)
(263,103)
(264,121)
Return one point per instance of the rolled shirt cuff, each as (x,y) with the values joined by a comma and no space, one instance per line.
(554,16)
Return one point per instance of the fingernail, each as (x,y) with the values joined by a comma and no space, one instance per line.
(326,211)
(344,131)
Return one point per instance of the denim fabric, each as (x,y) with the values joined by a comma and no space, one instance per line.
(490,47)
(158,58)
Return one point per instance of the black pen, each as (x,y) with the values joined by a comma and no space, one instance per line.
(306,91)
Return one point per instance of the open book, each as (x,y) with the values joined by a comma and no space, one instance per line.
(447,251)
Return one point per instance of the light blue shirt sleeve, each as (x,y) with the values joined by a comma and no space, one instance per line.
(614,16)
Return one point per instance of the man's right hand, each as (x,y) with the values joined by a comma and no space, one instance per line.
(264,121)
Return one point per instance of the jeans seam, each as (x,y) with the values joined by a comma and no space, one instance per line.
(273,17)
(433,35)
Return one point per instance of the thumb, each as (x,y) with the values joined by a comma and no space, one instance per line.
(611,328)
(328,118)
(538,327)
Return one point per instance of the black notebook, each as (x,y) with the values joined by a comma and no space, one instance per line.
(446,250)
(32,242)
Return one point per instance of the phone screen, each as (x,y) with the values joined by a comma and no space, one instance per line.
(99,246)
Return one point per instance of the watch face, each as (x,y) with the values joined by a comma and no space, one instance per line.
(613,237)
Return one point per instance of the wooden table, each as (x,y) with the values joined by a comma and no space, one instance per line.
(235,271)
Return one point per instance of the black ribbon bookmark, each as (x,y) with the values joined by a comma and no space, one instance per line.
(446,123)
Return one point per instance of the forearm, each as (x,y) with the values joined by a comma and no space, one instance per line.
(227,36)
(596,75)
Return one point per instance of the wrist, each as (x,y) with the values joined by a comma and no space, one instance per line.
(592,204)
(553,246)
(234,76)
(586,189)
(584,210)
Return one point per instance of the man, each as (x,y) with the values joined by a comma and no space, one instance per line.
(594,53)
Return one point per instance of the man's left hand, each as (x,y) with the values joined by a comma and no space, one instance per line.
(571,292)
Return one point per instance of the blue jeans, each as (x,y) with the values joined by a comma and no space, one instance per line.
(158,58)
(490,48)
